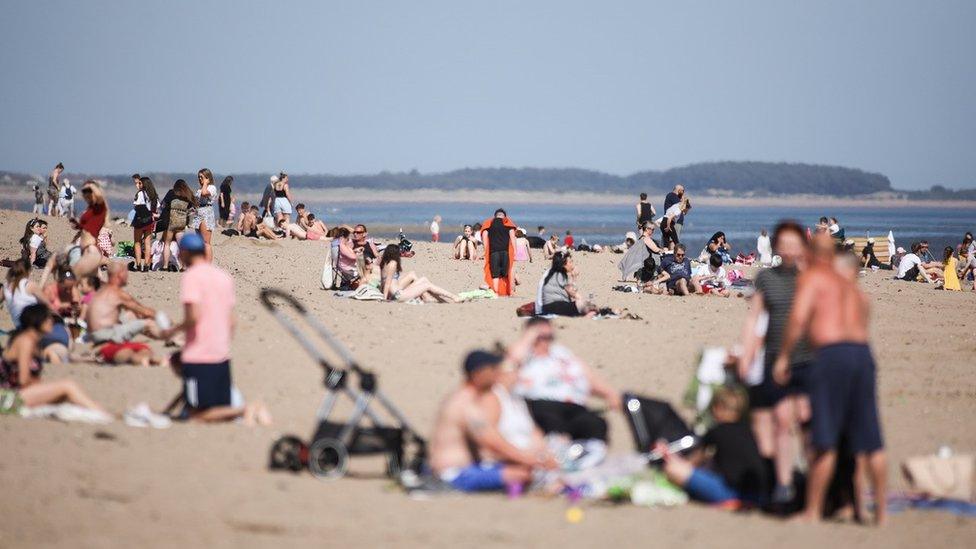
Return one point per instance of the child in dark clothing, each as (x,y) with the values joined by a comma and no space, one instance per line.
(736,472)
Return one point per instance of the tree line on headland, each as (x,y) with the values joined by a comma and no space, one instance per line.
(723,178)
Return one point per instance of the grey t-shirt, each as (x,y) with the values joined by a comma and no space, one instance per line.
(777,286)
(555,289)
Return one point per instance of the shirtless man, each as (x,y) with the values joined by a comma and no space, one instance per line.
(249,226)
(462,432)
(112,337)
(833,313)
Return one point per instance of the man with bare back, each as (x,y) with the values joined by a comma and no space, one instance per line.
(462,432)
(104,326)
(833,313)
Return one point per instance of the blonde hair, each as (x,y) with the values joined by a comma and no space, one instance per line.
(733,399)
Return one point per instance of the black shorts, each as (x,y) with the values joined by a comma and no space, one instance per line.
(911,275)
(568,418)
(561,308)
(498,263)
(672,282)
(206,385)
(768,393)
(843,398)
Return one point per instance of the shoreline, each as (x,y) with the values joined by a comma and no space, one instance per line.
(347,195)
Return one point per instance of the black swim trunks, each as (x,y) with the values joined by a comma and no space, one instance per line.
(498,263)
(843,398)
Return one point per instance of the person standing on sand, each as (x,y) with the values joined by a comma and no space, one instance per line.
(672,198)
(38,200)
(225,200)
(53,188)
(645,211)
(833,313)
(498,235)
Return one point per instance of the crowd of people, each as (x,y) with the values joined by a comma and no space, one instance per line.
(804,379)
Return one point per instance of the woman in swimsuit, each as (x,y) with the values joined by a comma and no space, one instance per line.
(399,286)
(204,220)
(20,369)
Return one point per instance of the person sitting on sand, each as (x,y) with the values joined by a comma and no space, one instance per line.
(108,333)
(675,274)
(558,294)
(399,286)
(364,247)
(463,432)
(20,291)
(737,473)
(346,258)
(301,215)
(551,247)
(251,227)
(20,370)
(568,241)
(911,267)
(244,213)
(950,275)
(34,243)
(207,294)
(465,246)
(868,258)
(315,227)
(710,278)
(292,230)
(522,248)
(556,384)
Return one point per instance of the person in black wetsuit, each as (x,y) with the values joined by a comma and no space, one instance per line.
(645,211)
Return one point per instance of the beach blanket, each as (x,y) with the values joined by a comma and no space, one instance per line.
(506,286)
(66,412)
(473,295)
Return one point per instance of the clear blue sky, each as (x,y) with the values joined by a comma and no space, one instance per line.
(360,86)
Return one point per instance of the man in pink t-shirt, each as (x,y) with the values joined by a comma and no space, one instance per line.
(207,294)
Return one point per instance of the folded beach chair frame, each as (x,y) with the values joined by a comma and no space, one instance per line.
(333,442)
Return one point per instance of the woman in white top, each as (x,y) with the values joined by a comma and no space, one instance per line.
(399,286)
(557,385)
(19,292)
(765,249)
(204,220)
(146,205)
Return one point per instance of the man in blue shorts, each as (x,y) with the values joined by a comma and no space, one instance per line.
(462,432)
(830,309)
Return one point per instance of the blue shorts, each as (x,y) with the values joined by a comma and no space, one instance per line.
(709,487)
(843,398)
(206,385)
(477,478)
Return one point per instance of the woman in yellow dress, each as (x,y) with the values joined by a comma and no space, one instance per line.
(949,273)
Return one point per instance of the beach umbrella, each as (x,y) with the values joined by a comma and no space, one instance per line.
(891,244)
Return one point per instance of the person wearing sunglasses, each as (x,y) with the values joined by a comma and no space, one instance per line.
(675,274)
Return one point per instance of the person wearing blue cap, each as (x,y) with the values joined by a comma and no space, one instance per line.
(207,294)
(462,419)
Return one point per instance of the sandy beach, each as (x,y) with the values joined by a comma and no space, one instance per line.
(78,485)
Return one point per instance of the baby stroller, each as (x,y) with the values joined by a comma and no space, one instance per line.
(327,454)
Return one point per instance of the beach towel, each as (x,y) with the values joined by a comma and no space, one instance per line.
(472,295)
(633,260)
(368,293)
(66,412)
(506,285)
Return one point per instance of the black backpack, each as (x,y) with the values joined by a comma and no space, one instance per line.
(67,193)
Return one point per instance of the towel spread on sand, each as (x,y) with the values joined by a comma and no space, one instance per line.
(472,295)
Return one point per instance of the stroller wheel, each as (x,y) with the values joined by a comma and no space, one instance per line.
(328,458)
(288,452)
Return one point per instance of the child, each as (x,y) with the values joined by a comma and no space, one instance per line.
(711,277)
(736,473)
(569,241)
(435,229)
(949,271)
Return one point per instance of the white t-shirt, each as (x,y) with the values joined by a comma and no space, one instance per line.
(206,200)
(716,277)
(558,376)
(834,229)
(36,240)
(63,195)
(435,227)
(910,260)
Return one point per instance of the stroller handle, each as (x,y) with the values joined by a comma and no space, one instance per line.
(267,297)
(268,293)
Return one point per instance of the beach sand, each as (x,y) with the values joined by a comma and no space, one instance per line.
(194,485)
